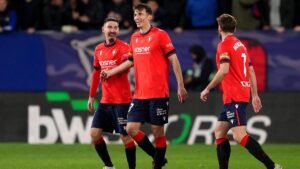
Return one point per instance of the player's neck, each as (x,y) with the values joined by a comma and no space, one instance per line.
(224,35)
(110,42)
(145,29)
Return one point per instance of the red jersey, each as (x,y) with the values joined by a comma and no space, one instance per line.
(150,53)
(236,84)
(116,89)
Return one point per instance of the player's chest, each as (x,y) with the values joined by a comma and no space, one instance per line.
(144,45)
(108,58)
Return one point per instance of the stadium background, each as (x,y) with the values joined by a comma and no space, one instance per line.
(44,90)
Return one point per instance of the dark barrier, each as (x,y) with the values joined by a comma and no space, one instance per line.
(62,117)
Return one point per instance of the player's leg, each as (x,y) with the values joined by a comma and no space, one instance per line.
(130,150)
(158,113)
(136,116)
(100,124)
(100,146)
(133,129)
(160,145)
(239,122)
(120,119)
(223,146)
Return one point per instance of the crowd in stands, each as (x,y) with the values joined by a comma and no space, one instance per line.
(75,15)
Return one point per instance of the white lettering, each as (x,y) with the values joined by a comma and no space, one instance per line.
(206,133)
(35,122)
(259,132)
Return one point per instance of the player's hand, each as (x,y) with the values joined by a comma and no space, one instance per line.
(256,103)
(204,95)
(105,75)
(182,94)
(91,105)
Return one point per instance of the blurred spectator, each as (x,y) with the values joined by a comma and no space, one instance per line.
(123,11)
(160,18)
(29,14)
(202,13)
(8,17)
(297,16)
(224,6)
(91,14)
(279,14)
(176,14)
(197,78)
(54,15)
(245,13)
(72,15)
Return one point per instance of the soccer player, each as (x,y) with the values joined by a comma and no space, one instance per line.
(237,78)
(111,114)
(152,51)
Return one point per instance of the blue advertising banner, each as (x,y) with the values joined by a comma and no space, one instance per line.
(58,61)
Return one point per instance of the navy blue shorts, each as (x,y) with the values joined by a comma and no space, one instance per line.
(111,117)
(153,111)
(234,113)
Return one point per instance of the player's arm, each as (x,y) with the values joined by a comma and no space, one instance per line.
(221,73)
(182,94)
(256,103)
(93,88)
(122,67)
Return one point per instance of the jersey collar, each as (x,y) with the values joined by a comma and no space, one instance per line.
(143,34)
(110,45)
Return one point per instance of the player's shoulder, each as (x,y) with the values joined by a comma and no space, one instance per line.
(99,46)
(159,31)
(135,34)
(122,43)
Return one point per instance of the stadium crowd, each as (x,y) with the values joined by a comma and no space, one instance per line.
(75,15)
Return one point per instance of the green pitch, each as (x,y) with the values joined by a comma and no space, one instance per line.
(24,156)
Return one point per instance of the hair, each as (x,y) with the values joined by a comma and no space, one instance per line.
(110,18)
(142,6)
(227,23)
(197,50)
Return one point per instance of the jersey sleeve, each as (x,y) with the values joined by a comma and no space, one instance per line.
(130,53)
(126,53)
(96,62)
(223,54)
(95,80)
(166,44)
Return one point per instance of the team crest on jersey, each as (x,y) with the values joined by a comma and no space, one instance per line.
(149,38)
(101,53)
(136,40)
(114,52)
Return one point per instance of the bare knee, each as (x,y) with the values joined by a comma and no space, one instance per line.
(96,134)
(126,139)
(158,131)
(132,129)
(239,133)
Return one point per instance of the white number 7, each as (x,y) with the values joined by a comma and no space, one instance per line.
(244,56)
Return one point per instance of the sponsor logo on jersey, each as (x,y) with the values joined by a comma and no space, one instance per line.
(142,50)
(108,63)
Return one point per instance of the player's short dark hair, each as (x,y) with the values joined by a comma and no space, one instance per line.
(227,23)
(198,50)
(142,6)
(111,18)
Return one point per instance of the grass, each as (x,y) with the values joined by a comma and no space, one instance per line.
(58,156)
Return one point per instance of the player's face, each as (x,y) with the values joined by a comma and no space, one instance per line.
(142,18)
(111,30)
(220,30)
